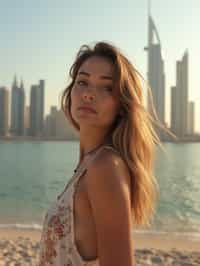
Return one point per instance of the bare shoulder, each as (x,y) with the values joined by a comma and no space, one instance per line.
(108,172)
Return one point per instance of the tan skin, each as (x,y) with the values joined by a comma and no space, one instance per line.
(102,206)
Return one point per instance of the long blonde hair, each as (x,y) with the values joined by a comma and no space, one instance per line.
(132,133)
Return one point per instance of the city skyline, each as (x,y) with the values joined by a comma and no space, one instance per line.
(36,49)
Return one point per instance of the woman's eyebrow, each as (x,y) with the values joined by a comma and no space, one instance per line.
(102,77)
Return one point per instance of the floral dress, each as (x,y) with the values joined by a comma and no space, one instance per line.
(57,244)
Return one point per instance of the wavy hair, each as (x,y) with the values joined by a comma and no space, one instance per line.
(133,134)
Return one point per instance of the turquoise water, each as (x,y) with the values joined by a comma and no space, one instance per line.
(32,174)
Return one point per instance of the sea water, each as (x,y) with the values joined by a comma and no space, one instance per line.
(32,174)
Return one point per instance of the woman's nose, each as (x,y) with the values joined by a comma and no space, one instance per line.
(89,94)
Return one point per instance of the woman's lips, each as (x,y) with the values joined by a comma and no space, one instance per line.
(87,109)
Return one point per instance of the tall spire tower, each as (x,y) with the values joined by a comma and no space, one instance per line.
(155,71)
(149,7)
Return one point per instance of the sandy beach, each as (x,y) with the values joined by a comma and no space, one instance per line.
(20,247)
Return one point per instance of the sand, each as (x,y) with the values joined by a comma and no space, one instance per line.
(20,247)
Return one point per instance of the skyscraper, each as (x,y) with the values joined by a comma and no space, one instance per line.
(191,117)
(41,113)
(3,111)
(37,109)
(21,108)
(174,109)
(27,120)
(17,109)
(155,72)
(179,107)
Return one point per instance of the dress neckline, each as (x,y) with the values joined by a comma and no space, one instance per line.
(89,155)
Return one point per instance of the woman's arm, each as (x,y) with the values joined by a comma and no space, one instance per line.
(108,188)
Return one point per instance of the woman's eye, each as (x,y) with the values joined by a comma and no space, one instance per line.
(108,88)
(84,83)
(81,82)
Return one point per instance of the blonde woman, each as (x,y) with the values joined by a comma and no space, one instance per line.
(113,188)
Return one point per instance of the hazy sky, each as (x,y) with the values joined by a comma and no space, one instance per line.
(39,39)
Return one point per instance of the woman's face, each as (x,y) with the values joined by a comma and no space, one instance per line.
(94,88)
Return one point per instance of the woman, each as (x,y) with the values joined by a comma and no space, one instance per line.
(113,188)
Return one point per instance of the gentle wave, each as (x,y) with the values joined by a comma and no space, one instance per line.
(194,236)
(34,226)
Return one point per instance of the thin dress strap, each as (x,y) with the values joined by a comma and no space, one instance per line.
(112,148)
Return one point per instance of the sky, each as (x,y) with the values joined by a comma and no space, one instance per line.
(40,39)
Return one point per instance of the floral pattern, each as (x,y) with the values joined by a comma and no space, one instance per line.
(57,227)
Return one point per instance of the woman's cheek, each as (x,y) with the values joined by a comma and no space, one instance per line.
(110,113)
(74,98)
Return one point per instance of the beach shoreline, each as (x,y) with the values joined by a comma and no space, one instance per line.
(22,246)
(141,240)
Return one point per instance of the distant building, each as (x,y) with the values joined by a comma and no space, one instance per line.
(173,116)
(37,109)
(179,99)
(3,111)
(57,125)
(17,109)
(50,123)
(27,120)
(155,74)
(191,116)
